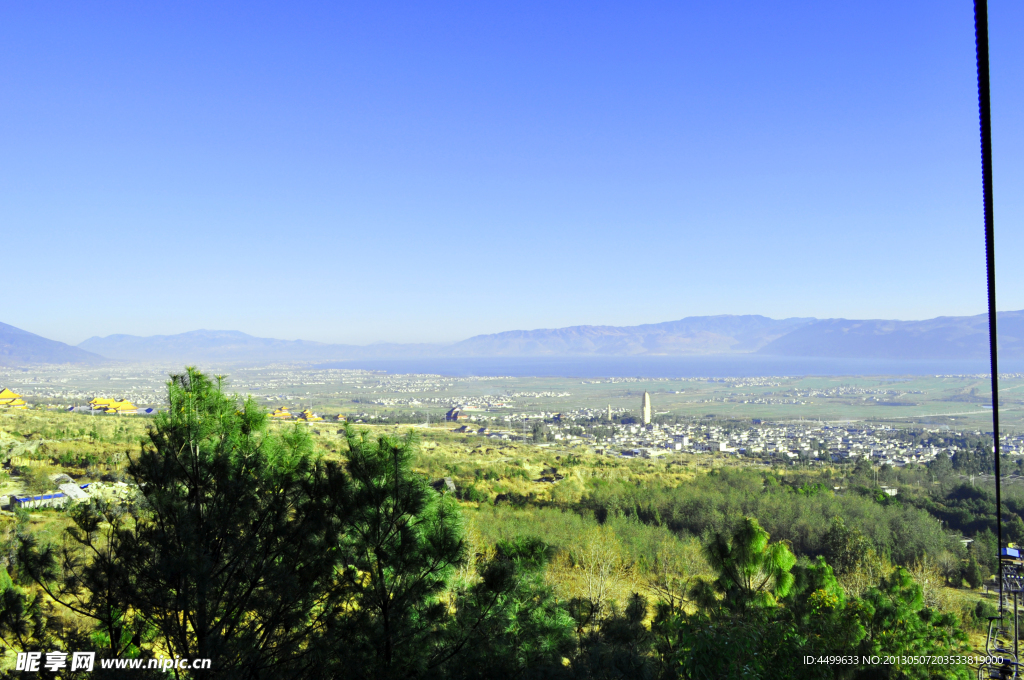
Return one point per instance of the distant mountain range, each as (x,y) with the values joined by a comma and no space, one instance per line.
(945,337)
(724,334)
(236,347)
(959,338)
(21,347)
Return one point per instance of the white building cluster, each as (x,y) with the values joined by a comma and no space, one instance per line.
(790,441)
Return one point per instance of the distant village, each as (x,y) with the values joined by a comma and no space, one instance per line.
(534,415)
(795,441)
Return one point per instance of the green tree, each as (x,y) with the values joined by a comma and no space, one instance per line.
(825,618)
(1013,529)
(845,549)
(941,467)
(972,573)
(986,550)
(228,554)
(898,624)
(509,624)
(405,541)
(807,614)
(617,647)
(25,625)
(83,575)
(862,469)
(745,633)
(752,572)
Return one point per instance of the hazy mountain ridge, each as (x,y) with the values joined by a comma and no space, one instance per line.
(939,338)
(21,347)
(944,337)
(693,335)
(237,347)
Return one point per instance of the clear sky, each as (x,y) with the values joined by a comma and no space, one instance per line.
(410,171)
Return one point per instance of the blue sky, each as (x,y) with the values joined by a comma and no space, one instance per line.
(399,171)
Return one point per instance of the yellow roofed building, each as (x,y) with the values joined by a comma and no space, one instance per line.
(281,413)
(309,416)
(122,408)
(9,399)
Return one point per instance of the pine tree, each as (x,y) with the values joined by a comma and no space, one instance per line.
(899,625)
(752,572)
(404,541)
(229,552)
(973,573)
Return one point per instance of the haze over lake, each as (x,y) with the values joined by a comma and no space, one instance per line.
(735,366)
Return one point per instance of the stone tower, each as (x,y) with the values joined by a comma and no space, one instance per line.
(609,413)
(645,409)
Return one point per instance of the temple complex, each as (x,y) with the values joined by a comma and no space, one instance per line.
(118,407)
(9,399)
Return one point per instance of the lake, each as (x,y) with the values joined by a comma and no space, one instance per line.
(714,366)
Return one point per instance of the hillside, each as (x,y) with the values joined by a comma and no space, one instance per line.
(21,347)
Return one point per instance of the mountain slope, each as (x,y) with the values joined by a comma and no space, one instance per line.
(693,335)
(945,337)
(21,347)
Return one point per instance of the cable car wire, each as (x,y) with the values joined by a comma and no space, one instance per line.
(985,115)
